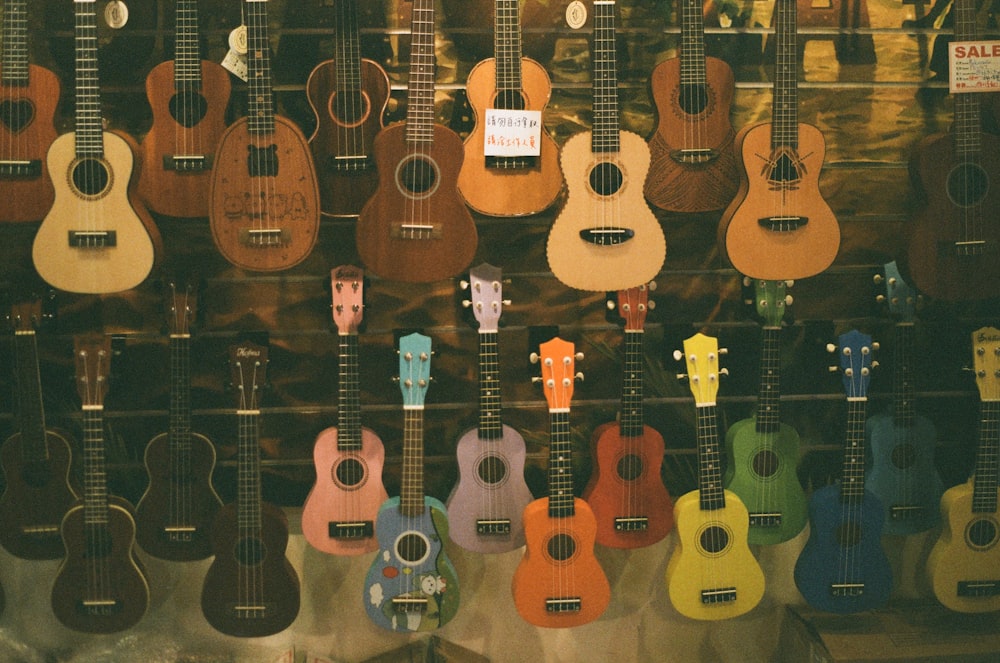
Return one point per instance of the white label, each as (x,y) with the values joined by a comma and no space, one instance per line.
(974,66)
(512,133)
(236,64)
(576,14)
(116,14)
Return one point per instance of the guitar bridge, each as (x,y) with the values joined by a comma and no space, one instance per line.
(847,589)
(609,236)
(572,604)
(181,533)
(92,239)
(40,530)
(188,163)
(249,611)
(782,224)
(905,511)
(416,231)
(978,588)
(350,164)
(20,168)
(408,604)
(265,237)
(694,156)
(511,163)
(632,524)
(969,248)
(765,519)
(720,595)
(493,527)
(100,607)
(362,529)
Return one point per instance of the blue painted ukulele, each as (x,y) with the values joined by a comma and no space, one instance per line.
(842,567)
(412,585)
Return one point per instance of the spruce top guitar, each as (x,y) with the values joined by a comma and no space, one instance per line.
(29,95)
(188,97)
(964,564)
(416,228)
(559,582)
(625,491)
(340,511)
(711,574)
(842,567)
(97,237)
(508,185)
(778,226)
(605,237)
(264,208)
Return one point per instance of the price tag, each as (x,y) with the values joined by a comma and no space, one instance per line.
(116,14)
(236,64)
(512,133)
(974,66)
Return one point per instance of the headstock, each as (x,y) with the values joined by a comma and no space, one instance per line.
(558,359)
(414,369)
(486,296)
(26,316)
(93,365)
(347,284)
(986,359)
(248,373)
(770,299)
(701,358)
(900,296)
(181,306)
(634,304)
(855,350)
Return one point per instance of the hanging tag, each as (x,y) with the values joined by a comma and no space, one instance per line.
(512,133)
(236,64)
(238,39)
(576,14)
(116,14)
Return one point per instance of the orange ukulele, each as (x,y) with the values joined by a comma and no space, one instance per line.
(508,185)
(778,226)
(631,504)
(188,97)
(29,95)
(416,228)
(348,96)
(692,163)
(559,582)
(264,207)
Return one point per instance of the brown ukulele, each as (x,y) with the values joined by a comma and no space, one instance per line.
(188,97)
(264,207)
(416,228)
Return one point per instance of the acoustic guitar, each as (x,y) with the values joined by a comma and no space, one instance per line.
(175,514)
(559,582)
(487,504)
(412,584)
(251,589)
(508,185)
(711,574)
(964,564)
(842,567)
(188,97)
(36,460)
(762,452)
(339,513)
(692,162)
(98,237)
(605,237)
(100,586)
(264,198)
(778,226)
(29,95)
(626,492)
(416,228)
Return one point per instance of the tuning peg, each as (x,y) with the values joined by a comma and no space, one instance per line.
(579,376)
(463,284)
(880,298)
(536,379)
(875,364)
(724,371)
(789,283)
(610,304)
(395,379)
(831,348)
(878,279)
(533,357)
(678,355)
(788,300)
(723,351)
(505,302)
(747,281)
(579,356)
(652,286)
(682,376)
(876,346)
(833,369)
(466,303)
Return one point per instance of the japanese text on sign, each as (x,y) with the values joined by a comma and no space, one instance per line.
(974,66)
(512,133)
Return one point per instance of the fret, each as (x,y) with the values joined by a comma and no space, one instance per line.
(420,87)
(768,418)
(904,412)
(711,493)
(349,396)
(187,55)
(89,136)
(984,491)
(561,499)
(784,112)
(14,62)
(692,55)
(260,120)
(347,45)
(411,497)
(95,483)
(852,479)
(490,422)
(30,410)
(630,422)
(605,136)
(507,44)
(179,430)
(248,492)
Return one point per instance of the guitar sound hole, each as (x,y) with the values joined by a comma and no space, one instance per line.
(967,184)
(16,114)
(509,100)
(848,535)
(417,176)
(630,467)
(606,178)
(36,473)
(99,542)
(561,547)
(90,176)
(492,470)
(714,539)
(982,534)
(349,472)
(765,463)
(188,108)
(250,552)
(693,98)
(411,548)
(903,456)
(349,107)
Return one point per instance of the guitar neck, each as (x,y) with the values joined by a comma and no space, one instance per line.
(768,418)
(630,418)
(248,499)
(420,88)
(605,136)
(692,54)
(349,396)
(187,53)
(14,71)
(966,132)
(179,432)
(984,490)
(95,480)
(903,413)
(507,45)
(260,120)
(490,419)
(784,108)
(852,482)
(89,129)
(711,494)
(561,501)
(411,496)
(30,411)
(347,46)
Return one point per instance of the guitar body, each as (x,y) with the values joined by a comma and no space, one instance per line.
(698,184)
(175,515)
(416,186)
(605,190)
(761,470)
(346,125)
(107,203)
(626,483)
(965,552)
(285,206)
(779,186)
(694,569)
(500,191)
(411,569)
(36,497)
(27,130)
(844,547)
(251,589)
(348,489)
(490,486)
(186,131)
(100,586)
(902,474)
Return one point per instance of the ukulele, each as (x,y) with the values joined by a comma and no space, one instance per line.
(412,584)
(605,237)
(29,95)
(348,96)
(625,491)
(264,198)
(487,504)
(711,573)
(762,452)
(559,582)
(100,586)
(416,228)
(964,564)
(36,460)
(692,162)
(188,97)
(508,185)
(842,567)
(953,242)
(778,226)
(902,473)
(251,589)
(175,514)
(98,237)
(339,513)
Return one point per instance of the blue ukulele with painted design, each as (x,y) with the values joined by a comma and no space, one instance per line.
(412,585)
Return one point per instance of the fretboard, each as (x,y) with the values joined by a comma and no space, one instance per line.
(14,65)
(692,43)
(784,111)
(95,479)
(630,418)
(984,491)
(852,476)
(420,89)
(411,495)
(507,45)
(903,409)
(605,134)
(187,54)
(30,411)
(179,431)
(349,396)
(769,394)
(89,128)
(711,494)
(490,421)
(248,496)
(561,500)
(260,120)
(347,46)
(966,132)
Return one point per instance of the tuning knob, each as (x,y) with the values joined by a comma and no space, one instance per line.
(678,355)
(579,356)
(579,376)
(464,284)
(533,357)
(466,303)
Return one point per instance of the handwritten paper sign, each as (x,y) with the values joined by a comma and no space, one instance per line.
(974,66)
(512,133)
